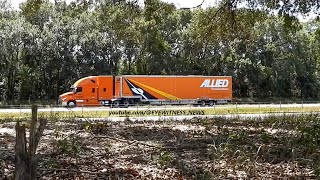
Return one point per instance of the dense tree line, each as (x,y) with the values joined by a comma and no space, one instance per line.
(45,46)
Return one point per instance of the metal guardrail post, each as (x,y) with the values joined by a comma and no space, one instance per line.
(82,110)
(20,111)
(280,104)
(51,111)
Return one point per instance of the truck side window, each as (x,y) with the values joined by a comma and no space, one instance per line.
(104,89)
(93,90)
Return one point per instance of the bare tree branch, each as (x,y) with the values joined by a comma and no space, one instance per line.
(194,6)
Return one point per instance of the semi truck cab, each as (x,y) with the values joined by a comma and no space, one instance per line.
(85,91)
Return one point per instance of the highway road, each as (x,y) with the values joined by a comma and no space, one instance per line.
(87,109)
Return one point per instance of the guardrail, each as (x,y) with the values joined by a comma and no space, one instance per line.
(24,111)
(259,104)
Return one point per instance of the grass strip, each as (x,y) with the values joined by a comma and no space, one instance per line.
(170,112)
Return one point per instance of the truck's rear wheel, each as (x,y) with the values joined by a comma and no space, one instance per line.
(71,104)
(116,104)
(104,103)
(211,103)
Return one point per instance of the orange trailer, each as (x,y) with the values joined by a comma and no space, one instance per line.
(126,90)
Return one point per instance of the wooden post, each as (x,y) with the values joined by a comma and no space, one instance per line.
(21,159)
(33,130)
(26,158)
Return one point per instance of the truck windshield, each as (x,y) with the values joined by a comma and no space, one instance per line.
(79,89)
(76,89)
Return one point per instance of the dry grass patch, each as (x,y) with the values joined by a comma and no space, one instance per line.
(272,148)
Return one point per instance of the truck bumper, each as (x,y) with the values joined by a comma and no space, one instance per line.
(63,103)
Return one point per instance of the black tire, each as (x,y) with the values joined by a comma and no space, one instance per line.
(71,104)
(202,103)
(116,104)
(126,103)
(211,103)
(103,103)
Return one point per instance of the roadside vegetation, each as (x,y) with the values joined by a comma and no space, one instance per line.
(46,46)
(282,147)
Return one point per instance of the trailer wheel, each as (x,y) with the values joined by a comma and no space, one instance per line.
(126,103)
(71,104)
(211,103)
(202,103)
(116,104)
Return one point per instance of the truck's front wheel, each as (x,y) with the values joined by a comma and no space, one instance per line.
(71,104)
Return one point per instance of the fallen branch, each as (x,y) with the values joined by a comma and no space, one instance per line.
(128,141)
(71,170)
(119,171)
(152,146)
(187,147)
(256,155)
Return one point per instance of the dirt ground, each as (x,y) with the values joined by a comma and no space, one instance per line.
(272,148)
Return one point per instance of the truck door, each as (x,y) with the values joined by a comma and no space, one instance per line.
(93,95)
(78,93)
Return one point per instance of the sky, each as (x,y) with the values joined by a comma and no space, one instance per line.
(178,3)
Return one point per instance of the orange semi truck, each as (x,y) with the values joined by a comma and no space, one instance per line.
(128,90)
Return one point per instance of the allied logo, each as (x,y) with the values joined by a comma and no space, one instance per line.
(215,83)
